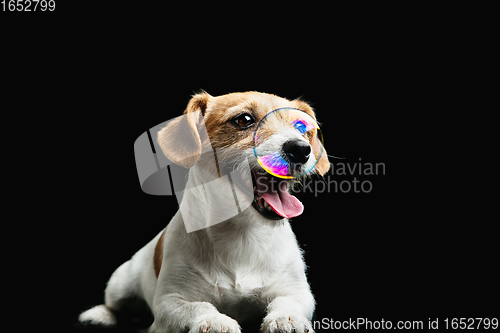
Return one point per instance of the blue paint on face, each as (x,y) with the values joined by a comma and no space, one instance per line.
(300,126)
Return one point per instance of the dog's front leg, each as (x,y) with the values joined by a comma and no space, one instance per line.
(173,314)
(287,314)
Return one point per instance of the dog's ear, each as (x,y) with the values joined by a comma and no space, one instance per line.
(182,139)
(323,164)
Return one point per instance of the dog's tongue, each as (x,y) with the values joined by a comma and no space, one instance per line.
(276,195)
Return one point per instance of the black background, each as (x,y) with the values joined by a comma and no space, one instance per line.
(387,89)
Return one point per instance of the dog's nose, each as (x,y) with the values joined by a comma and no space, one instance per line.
(297,151)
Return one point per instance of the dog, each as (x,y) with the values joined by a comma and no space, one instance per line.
(248,266)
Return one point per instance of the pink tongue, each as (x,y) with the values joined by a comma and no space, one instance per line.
(276,195)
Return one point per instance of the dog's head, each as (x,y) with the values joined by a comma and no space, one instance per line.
(227,124)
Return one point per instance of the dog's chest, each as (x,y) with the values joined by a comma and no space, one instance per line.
(241,296)
(241,282)
(244,267)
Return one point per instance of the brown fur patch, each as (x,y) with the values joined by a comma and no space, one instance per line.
(158,257)
(301,105)
(222,109)
(323,164)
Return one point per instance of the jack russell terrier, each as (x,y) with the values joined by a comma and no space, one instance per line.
(234,267)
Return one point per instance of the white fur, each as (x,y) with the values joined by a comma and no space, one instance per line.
(246,257)
(214,277)
(98,315)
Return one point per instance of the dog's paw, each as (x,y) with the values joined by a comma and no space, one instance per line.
(217,323)
(286,324)
(99,315)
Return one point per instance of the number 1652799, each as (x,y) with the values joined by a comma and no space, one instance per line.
(28,5)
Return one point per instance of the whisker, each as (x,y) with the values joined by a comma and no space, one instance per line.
(341,158)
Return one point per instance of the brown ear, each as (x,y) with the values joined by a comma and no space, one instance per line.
(323,164)
(180,140)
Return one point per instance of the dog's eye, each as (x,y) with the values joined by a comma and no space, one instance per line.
(244,120)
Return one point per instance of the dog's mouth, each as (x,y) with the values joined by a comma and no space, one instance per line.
(272,199)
